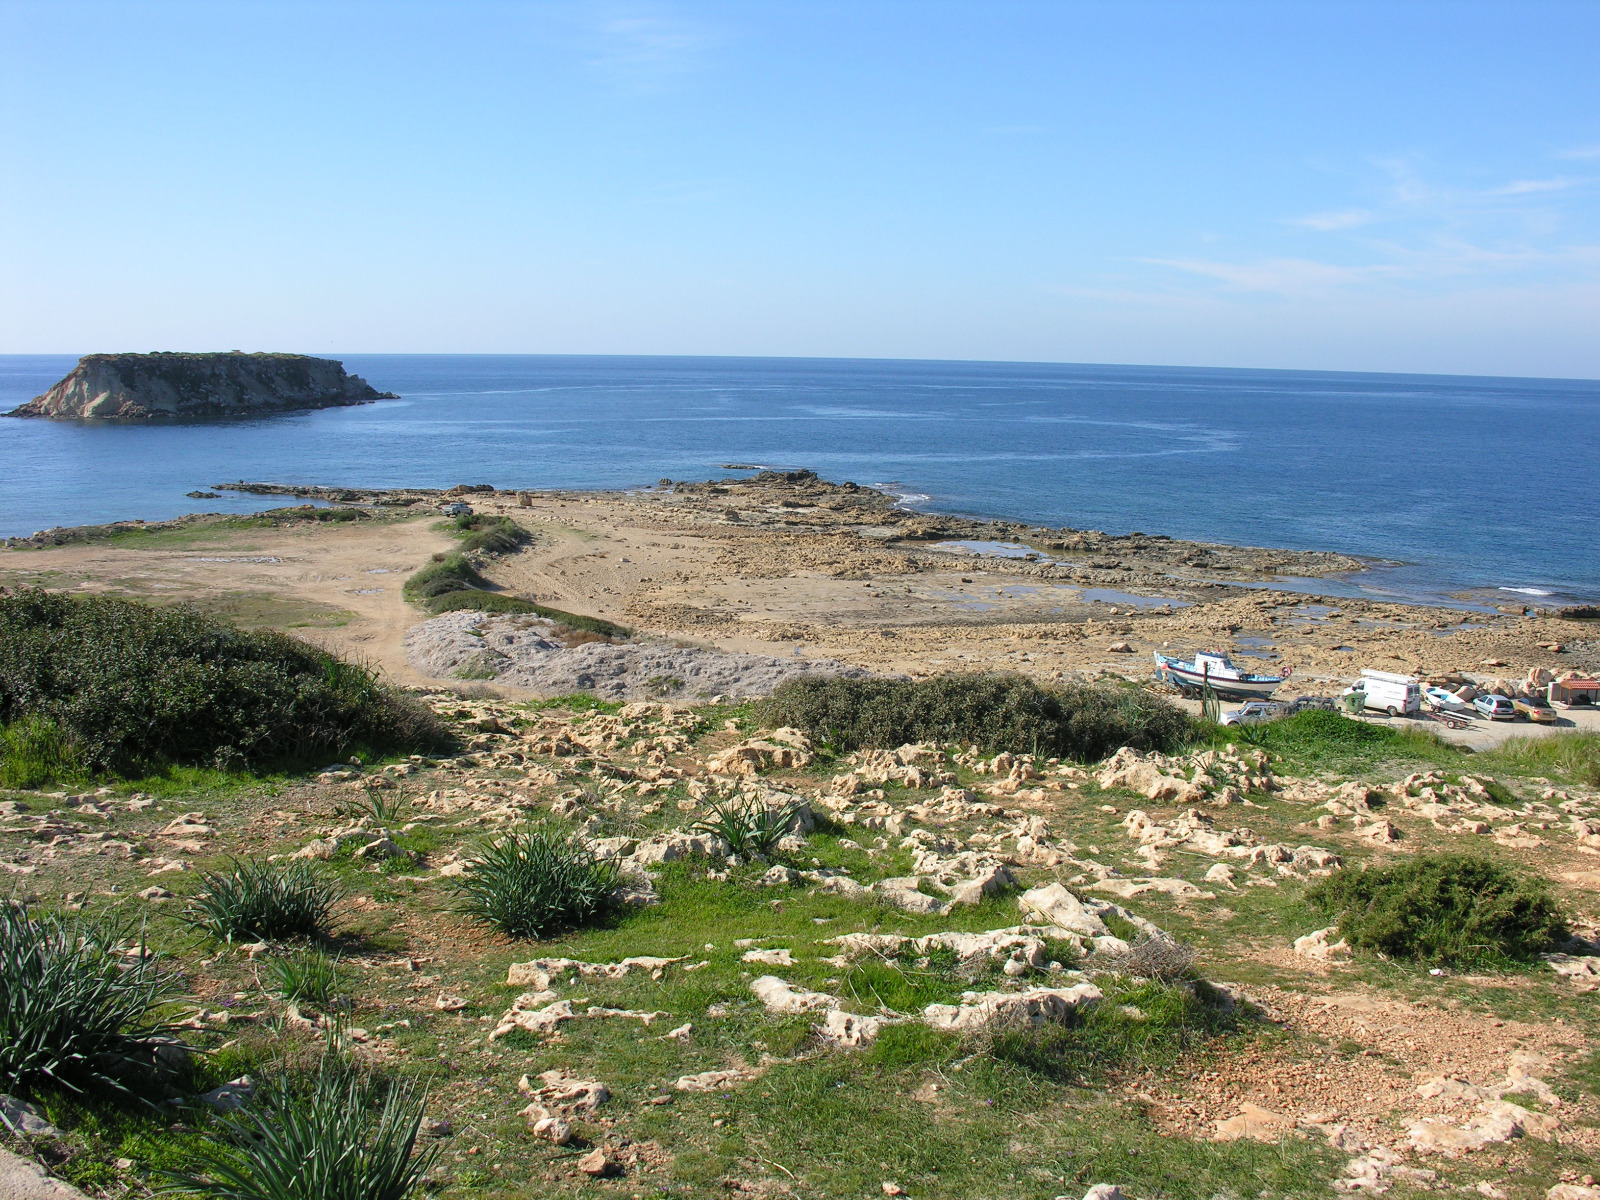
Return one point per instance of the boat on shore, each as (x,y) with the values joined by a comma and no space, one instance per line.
(1214,669)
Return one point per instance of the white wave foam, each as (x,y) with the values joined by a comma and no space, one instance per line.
(1526,591)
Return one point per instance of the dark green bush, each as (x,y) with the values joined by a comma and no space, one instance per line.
(269,901)
(533,881)
(76,1012)
(1443,908)
(336,1136)
(443,574)
(492,535)
(133,689)
(995,712)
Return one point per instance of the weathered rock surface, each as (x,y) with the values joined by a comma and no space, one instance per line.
(147,386)
(513,649)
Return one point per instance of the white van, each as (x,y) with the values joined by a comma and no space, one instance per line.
(1397,695)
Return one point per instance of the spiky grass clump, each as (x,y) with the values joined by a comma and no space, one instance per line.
(264,900)
(1452,909)
(533,881)
(310,977)
(750,828)
(76,1011)
(337,1136)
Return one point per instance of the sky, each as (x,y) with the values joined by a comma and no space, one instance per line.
(1344,186)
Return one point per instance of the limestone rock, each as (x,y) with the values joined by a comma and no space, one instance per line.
(1056,906)
(153,386)
(1036,1006)
(1254,1122)
(777,996)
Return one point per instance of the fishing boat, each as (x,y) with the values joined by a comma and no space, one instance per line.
(1215,669)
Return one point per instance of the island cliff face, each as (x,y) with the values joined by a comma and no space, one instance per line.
(148,386)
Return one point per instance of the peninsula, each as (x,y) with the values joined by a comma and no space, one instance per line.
(170,385)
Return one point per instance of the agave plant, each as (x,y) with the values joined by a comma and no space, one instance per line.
(77,1003)
(337,1136)
(271,901)
(750,827)
(533,880)
(312,977)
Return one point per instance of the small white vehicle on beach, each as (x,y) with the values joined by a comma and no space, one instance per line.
(1397,695)
(1257,712)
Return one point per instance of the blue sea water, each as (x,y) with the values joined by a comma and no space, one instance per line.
(1474,484)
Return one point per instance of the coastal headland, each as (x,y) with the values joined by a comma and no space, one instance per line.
(784,564)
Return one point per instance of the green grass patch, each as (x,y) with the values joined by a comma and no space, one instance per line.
(441,575)
(1575,756)
(34,750)
(1330,741)
(1451,909)
(111,685)
(995,712)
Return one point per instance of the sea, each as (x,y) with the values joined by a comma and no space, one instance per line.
(1454,489)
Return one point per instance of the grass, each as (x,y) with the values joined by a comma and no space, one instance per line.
(76,1012)
(131,689)
(450,583)
(264,900)
(310,977)
(1449,909)
(338,1136)
(1145,1023)
(34,751)
(1329,741)
(531,882)
(1574,755)
(995,712)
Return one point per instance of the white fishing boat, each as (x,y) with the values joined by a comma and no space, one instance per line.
(1214,669)
(1446,701)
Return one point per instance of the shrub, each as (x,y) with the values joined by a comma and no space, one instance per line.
(443,574)
(750,828)
(490,534)
(996,712)
(264,900)
(76,1012)
(133,689)
(312,977)
(533,880)
(342,1137)
(476,601)
(1443,908)
(1163,959)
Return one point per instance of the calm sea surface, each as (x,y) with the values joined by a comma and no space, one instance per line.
(1474,484)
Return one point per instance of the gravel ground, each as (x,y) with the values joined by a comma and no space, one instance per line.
(521,651)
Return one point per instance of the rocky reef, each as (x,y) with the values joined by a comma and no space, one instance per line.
(163,385)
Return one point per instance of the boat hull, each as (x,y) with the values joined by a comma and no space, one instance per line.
(1234,689)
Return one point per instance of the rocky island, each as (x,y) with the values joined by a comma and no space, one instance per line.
(162,385)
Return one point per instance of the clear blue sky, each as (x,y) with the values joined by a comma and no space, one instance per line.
(1385,186)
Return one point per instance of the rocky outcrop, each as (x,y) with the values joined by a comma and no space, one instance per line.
(147,386)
